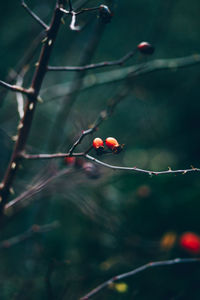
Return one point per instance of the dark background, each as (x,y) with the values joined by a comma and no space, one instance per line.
(117,222)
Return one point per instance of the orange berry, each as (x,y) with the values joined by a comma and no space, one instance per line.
(145,48)
(111,143)
(190,242)
(98,143)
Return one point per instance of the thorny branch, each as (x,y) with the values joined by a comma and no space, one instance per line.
(32,97)
(139,270)
(113,167)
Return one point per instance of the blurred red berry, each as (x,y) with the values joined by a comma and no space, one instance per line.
(70,160)
(145,48)
(91,170)
(190,242)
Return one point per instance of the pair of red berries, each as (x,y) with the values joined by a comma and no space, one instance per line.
(110,142)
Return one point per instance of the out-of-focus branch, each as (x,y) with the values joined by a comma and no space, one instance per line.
(24,199)
(150,265)
(107,77)
(30,233)
(118,62)
(34,16)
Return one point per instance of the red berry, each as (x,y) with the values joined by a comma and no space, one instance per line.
(145,48)
(97,143)
(190,242)
(70,160)
(105,13)
(111,143)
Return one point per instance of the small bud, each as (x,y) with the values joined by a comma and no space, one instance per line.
(105,13)
(113,145)
(146,48)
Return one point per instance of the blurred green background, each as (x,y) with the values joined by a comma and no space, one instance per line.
(118,221)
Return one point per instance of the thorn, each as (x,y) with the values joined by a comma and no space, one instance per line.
(1,199)
(50,42)
(11,190)
(31,105)
(39,99)
(63,21)
(20,126)
(13,165)
(37,64)
(14,138)
(1,185)
(169,168)
(44,40)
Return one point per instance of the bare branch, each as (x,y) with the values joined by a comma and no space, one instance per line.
(14,88)
(99,162)
(33,93)
(139,270)
(118,62)
(50,156)
(35,17)
(135,169)
(32,232)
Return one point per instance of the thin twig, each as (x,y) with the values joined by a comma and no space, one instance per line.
(138,270)
(75,87)
(104,114)
(14,88)
(35,17)
(32,232)
(118,62)
(135,169)
(50,156)
(99,162)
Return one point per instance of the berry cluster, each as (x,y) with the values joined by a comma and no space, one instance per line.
(111,143)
